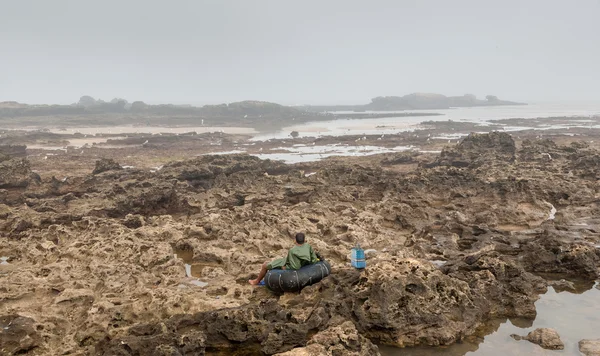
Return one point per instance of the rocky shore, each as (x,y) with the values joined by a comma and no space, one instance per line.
(96,258)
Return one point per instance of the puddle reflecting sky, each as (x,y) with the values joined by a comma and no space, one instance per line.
(574,315)
(316,153)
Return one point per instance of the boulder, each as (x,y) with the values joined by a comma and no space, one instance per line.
(17,335)
(590,347)
(478,149)
(133,221)
(545,337)
(15,173)
(105,165)
(342,339)
(404,302)
(158,199)
(550,254)
(563,285)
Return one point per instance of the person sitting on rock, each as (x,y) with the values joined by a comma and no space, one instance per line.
(300,255)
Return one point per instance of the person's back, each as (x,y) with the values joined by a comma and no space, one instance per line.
(301,255)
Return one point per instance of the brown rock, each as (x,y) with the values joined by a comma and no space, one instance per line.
(342,339)
(105,165)
(15,173)
(17,335)
(133,221)
(590,347)
(562,285)
(545,337)
(478,149)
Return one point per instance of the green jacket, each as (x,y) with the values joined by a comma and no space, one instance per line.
(298,256)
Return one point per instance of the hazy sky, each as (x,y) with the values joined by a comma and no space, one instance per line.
(292,52)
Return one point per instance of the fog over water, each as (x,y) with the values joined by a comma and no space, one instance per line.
(315,52)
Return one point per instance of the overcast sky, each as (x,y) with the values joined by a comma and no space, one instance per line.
(294,52)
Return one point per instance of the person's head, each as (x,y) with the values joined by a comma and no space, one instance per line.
(300,238)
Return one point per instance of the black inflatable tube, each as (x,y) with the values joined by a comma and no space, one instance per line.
(279,280)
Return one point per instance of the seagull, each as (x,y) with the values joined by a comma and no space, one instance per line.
(202,122)
(145,143)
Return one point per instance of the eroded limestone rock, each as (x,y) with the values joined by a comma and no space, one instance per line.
(105,165)
(545,337)
(590,347)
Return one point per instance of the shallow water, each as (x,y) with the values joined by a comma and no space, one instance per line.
(152,130)
(73,142)
(316,153)
(574,315)
(408,123)
(185,255)
(192,271)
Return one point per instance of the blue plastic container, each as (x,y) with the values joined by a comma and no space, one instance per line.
(357,258)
